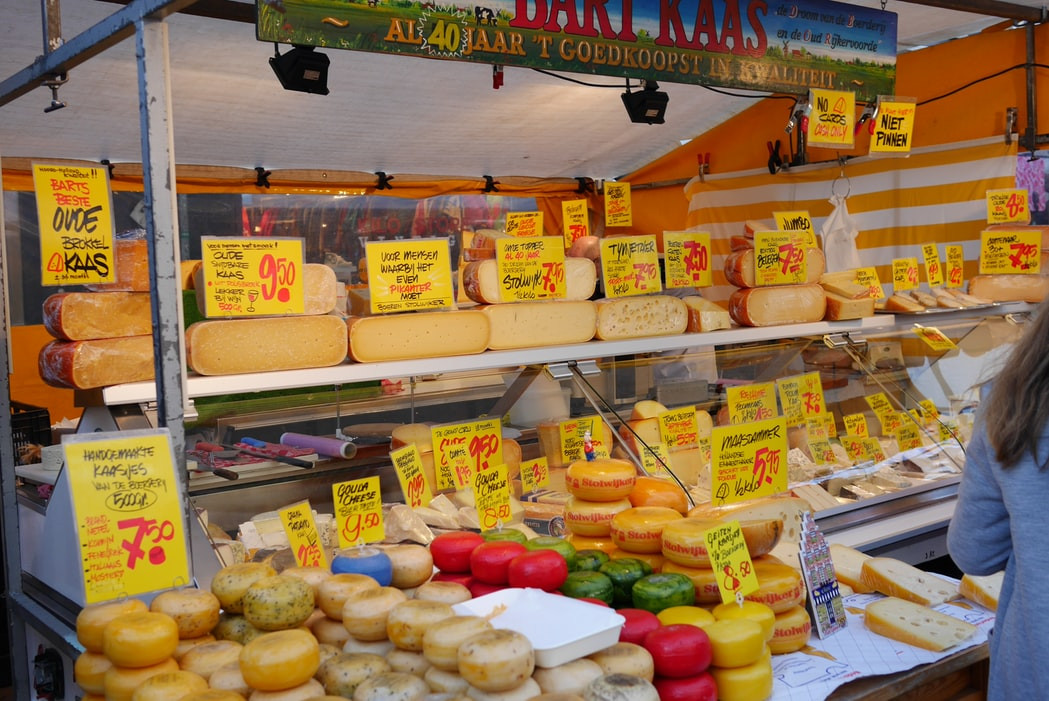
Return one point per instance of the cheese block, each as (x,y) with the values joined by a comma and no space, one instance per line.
(789,510)
(358,301)
(640,316)
(739,267)
(319,288)
(903,303)
(781,304)
(418,335)
(843,283)
(234,346)
(751,226)
(79,316)
(1010,288)
(481,280)
(534,324)
(188,271)
(848,566)
(895,578)
(704,315)
(914,624)
(840,307)
(97,363)
(132,266)
(983,590)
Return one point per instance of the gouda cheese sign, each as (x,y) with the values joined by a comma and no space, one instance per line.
(630,266)
(524,223)
(618,210)
(749,460)
(252,276)
(492,497)
(358,511)
(530,268)
(128,510)
(933,267)
(1010,251)
(687,256)
(955,273)
(576,218)
(893,125)
(798,221)
(301,529)
(74,208)
(409,275)
(748,403)
(1008,206)
(730,560)
(779,258)
(832,118)
(462,450)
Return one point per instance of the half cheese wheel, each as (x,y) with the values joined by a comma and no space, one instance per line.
(235,346)
(782,304)
(739,267)
(96,363)
(418,335)
(78,316)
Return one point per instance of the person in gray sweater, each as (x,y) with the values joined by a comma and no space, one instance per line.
(1002,516)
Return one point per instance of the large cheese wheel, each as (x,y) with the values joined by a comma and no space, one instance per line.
(319,288)
(120,682)
(311,689)
(235,346)
(642,316)
(78,316)
(445,592)
(603,479)
(213,695)
(412,564)
(139,639)
(207,658)
(783,304)
(780,586)
(592,518)
(329,631)
(657,491)
(496,660)
(408,622)
(233,626)
(392,685)
(229,678)
(333,591)
(441,681)
(276,603)
(654,560)
(739,267)
(547,323)
(230,583)
(791,632)
(410,661)
(93,618)
(481,280)
(620,687)
(752,682)
(280,660)
(312,575)
(96,363)
(366,611)
(342,674)
(418,335)
(441,640)
(89,671)
(639,529)
(684,541)
(187,644)
(587,542)
(1010,288)
(569,677)
(625,658)
(195,611)
(169,685)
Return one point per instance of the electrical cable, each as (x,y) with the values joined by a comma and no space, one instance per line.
(980,80)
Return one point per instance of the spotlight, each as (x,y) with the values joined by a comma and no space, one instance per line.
(647,106)
(301,69)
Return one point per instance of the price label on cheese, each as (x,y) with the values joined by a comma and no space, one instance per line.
(954,269)
(801,396)
(618,209)
(408,465)
(464,449)
(855,425)
(799,222)
(252,276)
(933,267)
(576,218)
(535,474)
(855,448)
(730,560)
(879,404)
(524,223)
(303,537)
(934,338)
(358,511)
(531,268)
(1008,206)
(748,403)
(869,278)
(904,274)
(409,275)
(630,266)
(928,409)
(679,428)
(686,256)
(893,125)
(573,438)
(779,258)
(492,497)
(749,460)
(655,458)
(127,505)
(908,436)
(890,422)
(74,211)
(1010,251)
(832,119)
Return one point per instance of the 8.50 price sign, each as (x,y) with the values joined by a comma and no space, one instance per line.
(252,276)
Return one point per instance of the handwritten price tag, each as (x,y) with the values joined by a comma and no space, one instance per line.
(749,460)
(933,267)
(655,459)
(748,403)
(879,404)
(1010,251)
(618,209)
(576,219)
(869,278)
(801,396)
(409,467)
(464,449)
(492,497)
(832,118)
(893,126)
(890,422)
(530,269)
(872,448)
(934,338)
(855,425)
(524,223)
(303,537)
(1008,206)
(358,511)
(679,428)
(630,266)
(687,256)
(908,436)
(904,274)
(822,452)
(955,261)
(252,276)
(799,222)
(572,432)
(730,560)
(409,275)
(779,258)
(929,410)
(535,474)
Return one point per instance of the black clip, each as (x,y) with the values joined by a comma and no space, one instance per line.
(107,164)
(262,177)
(384,181)
(490,184)
(585,185)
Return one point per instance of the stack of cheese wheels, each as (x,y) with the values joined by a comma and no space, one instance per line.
(688,451)
(638,533)
(770,305)
(139,645)
(782,589)
(741,662)
(599,491)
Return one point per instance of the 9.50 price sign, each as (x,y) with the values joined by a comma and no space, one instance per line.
(252,276)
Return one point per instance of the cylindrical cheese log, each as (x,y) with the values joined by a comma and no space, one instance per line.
(97,363)
(481,280)
(234,346)
(641,316)
(418,335)
(739,267)
(532,324)
(782,304)
(319,288)
(79,316)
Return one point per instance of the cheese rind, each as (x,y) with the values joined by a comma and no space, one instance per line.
(639,317)
(97,363)
(319,289)
(839,307)
(535,324)
(789,510)
(898,579)
(235,346)
(781,304)
(739,267)
(915,624)
(704,315)
(418,335)
(80,316)
(983,590)
(1010,288)
(481,280)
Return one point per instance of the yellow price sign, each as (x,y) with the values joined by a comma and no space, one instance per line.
(303,537)
(252,276)
(832,117)
(679,428)
(574,433)
(576,218)
(535,474)
(890,422)
(127,505)
(730,560)
(358,511)
(822,452)
(461,450)
(748,403)
(955,272)
(929,410)
(801,396)
(749,460)
(872,448)
(492,497)
(855,448)
(908,436)
(779,258)
(798,221)
(893,125)
(933,267)
(1008,206)
(855,425)
(868,277)
(618,209)
(828,422)
(904,274)
(75,212)
(655,458)
(524,223)
(630,266)
(879,404)
(1010,251)
(934,338)
(531,268)
(687,256)
(946,434)
(409,275)
(408,465)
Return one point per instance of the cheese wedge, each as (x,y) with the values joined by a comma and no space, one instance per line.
(895,578)
(704,315)
(848,564)
(914,624)
(983,590)
(235,346)
(534,324)
(481,280)
(418,335)
(641,316)
(789,510)
(900,303)
(840,307)
(844,283)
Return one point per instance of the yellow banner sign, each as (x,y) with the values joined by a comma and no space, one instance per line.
(893,126)
(492,497)
(730,559)
(574,434)
(358,511)
(748,403)
(409,275)
(461,450)
(530,268)
(74,209)
(904,274)
(408,465)
(1010,251)
(832,118)
(535,474)
(618,210)
(252,276)
(779,258)
(855,425)
(955,273)
(686,256)
(303,537)
(1008,206)
(869,278)
(749,460)
(799,222)
(128,511)
(630,266)
(576,218)
(933,267)
(524,223)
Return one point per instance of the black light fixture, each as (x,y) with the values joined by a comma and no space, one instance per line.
(647,106)
(301,69)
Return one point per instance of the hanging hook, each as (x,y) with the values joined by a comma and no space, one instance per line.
(841,177)
(56,81)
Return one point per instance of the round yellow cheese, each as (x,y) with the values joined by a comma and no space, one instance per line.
(89,671)
(586,542)
(187,644)
(233,626)
(692,615)
(213,695)
(169,685)
(626,658)
(570,677)
(780,587)
(311,575)
(279,660)
(444,682)
(735,642)
(342,674)
(639,529)
(92,620)
(592,518)
(332,592)
(365,612)
(140,639)
(206,658)
(791,632)
(278,602)
(410,661)
(412,564)
(407,622)
(441,641)
(230,583)
(751,682)
(445,592)
(751,610)
(684,541)
(703,579)
(120,682)
(309,689)
(330,632)
(374,647)
(526,691)
(228,678)
(392,685)
(195,611)
(603,479)
(496,660)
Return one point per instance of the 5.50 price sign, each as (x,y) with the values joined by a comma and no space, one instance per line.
(252,276)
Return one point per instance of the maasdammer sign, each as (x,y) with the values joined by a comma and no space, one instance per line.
(753,44)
